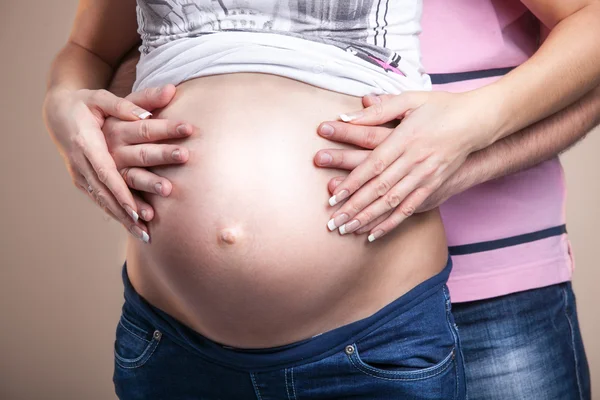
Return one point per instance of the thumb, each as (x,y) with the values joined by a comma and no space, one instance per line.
(153,98)
(389,108)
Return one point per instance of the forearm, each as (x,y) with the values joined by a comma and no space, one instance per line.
(75,67)
(530,146)
(566,66)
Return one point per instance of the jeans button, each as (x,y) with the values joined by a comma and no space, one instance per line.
(157,335)
(349,349)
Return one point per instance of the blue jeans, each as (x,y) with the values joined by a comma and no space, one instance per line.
(524,346)
(407,350)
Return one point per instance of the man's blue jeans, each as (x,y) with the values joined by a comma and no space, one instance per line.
(524,346)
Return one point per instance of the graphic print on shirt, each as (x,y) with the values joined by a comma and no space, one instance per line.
(355,26)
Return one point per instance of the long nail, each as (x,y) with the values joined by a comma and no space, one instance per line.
(336,198)
(349,227)
(141,113)
(337,221)
(140,234)
(375,235)
(134,216)
(351,116)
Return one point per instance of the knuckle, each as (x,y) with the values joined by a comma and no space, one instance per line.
(101,199)
(378,166)
(392,200)
(383,187)
(377,109)
(127,176)
(79,142)
(355,208)
(148,92)
(121,105)
(407,210)
(366,216)
(144,130)
(370,140)
(144,157)
(102,173)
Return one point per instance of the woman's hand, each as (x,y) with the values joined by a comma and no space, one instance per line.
(74,119)
(131,145)
(408,163)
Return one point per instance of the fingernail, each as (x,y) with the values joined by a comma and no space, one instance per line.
(326,130)
(140,234)
(182,130)
(336,198)
(375,235)
(349,227)
(324,159)
(144,215)
(134,216)
(351,116)
(176,155)
(141,113)
(337,221)
(158,188)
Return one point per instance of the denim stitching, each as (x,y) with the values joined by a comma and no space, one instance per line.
(134,334)
(357,366)
(287,389)
(572,332)
(293,385)
(255,386)
(141,360)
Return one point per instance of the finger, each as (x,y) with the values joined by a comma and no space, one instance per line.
(145,181)
(137,230)
(371,99)
(146,210)
(376,163)
(367,137)
(404,210)
(150,155)
(334,182)
(100,171)
(387,110)
(372,224)
(375,198)
(104,199)
(109,104)
(153,98)
(146,131)
(342,159)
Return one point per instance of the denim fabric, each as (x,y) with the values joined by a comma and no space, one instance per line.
(407,350)
(525,345)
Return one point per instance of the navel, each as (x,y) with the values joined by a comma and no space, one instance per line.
(229,236)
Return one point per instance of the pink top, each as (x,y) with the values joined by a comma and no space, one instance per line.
(506,235)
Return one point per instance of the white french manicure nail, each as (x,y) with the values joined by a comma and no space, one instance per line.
(371,237)
(145,237)
(375,235)
(346,117)
(145,115)
(331,225)
(343,229)
(336,198)
(134,216)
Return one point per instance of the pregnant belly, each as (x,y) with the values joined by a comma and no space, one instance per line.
(240,250)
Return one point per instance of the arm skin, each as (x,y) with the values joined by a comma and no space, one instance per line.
(524,149)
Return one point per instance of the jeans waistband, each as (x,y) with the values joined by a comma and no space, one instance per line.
(296,353)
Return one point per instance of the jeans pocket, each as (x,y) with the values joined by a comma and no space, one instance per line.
(418,344)
(135,342)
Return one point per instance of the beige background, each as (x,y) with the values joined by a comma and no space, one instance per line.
(60,289)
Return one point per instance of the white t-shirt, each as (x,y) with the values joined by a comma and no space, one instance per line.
(349,46)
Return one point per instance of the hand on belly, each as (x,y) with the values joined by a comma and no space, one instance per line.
(242,240)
